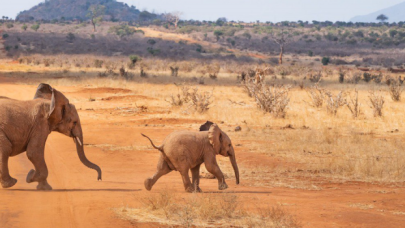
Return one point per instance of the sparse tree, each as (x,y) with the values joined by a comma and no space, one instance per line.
(218,34)
(95,14)
(282,38)
(24,27)
(382,18)
(173,17)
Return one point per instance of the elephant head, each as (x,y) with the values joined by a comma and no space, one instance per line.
(63,118)
(222,144)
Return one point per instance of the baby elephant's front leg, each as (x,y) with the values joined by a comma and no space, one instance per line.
(213,168)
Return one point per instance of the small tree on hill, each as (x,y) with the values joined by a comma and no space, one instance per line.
(382,18)
(95,14)
(282,38)
(173,17)
(24,27)
(218,34)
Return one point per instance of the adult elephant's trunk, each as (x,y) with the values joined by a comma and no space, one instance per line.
(80,151)
(234,165)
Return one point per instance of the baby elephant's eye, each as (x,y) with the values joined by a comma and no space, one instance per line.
(230,145)
(74,123)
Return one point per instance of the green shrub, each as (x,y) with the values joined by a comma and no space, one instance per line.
(134,58)
(310,53)
(122,30)
(35,27)
(199,48)
(9,25)
(24,27)
(5,36)
(153,51)
(325,61)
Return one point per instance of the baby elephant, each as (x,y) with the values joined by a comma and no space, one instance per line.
(182,151)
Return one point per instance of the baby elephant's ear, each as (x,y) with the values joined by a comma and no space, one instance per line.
(206,126)
(215,137)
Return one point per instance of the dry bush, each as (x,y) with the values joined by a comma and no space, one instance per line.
(271,99)
(315,77)
(207,210)
(353,104)
(174,70)
(377,102)
(333,103)
(195,100)
(182,96)
(213,70)
(317,96)
(342,74)
(353,77)
(200,101)
(395,90)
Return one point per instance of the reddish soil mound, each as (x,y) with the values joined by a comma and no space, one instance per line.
(129,97)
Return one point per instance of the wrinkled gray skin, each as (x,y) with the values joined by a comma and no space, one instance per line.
(25,126)
(184,151)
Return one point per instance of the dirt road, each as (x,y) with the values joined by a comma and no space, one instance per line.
(114,143)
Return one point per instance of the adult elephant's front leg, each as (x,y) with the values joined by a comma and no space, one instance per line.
(40,174)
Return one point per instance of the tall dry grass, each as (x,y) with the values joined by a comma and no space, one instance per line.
(207,210)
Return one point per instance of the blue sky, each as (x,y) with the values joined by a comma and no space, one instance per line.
(245,10)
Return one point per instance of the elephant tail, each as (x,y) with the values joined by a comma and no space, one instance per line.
(150,140)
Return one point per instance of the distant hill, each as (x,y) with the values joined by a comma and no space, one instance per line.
(394,13)
(78,9)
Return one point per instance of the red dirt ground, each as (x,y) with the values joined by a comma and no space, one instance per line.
(79,200)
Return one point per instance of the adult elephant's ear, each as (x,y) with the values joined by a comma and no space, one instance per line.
(215,137)
(44,91)
(58,103)
(206,126)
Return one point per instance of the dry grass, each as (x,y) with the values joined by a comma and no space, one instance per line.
(339,148)
(395,91)
(207,210)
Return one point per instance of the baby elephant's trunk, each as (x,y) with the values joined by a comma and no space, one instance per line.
(234,165)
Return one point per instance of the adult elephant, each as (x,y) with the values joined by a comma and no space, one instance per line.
(25,126)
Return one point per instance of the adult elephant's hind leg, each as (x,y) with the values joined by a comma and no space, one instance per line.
(6,180)
(162,169)
(40,174)
(5,150)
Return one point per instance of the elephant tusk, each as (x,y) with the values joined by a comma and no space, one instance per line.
(78,140)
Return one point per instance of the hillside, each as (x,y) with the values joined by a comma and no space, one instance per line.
(78,9)
(394,14)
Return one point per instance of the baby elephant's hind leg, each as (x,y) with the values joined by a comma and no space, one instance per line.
(162,169)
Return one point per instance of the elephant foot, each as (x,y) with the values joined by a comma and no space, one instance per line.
(190,189)
(30,176)
(44,186)
(8,183)
(148,184)
(222,186)
(197,189)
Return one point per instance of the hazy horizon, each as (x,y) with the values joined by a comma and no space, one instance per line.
(240,10)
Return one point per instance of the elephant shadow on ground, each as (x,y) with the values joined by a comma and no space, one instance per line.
(79,190)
